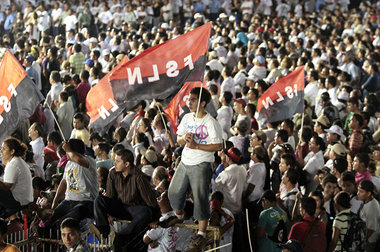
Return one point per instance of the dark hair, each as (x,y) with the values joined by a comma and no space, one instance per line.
(126,156)
(122,133)
(39,183)
(359,118)
(283,134)
(55,76)
(318,194)
(117,147)
(309,204)
(343,199)
(217,195)
(213,88)
(367,186)
(307,133)
(103,171)
(205,96)
(77,47)
(293,175)
(39,128)
(353,100)
(95,136)
(104,147)
(290,124)
(77,145)
(348,176)
(85,74)
(319,141)
(340,164)
(70,223)
(228,96)
(16,145)
(55,137)
(142,103)
(79,116)
(259,151)
(363,158)
(64,96)
(329,178)
(290,159)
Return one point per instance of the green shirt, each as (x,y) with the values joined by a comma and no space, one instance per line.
(269,219)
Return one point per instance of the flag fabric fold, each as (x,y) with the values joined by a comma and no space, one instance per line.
(158,72)
(19,95)
(283,99)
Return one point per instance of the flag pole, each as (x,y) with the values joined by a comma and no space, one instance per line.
(56,121)
(162,118)
(303,117)
(199,100)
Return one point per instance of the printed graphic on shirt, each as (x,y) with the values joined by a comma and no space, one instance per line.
(200,133)
(73,181)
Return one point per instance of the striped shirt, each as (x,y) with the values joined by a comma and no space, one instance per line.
(77,62)
(341,222)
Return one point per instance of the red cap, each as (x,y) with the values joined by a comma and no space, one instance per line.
(50,150)
(241,101)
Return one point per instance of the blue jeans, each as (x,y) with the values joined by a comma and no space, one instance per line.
(196,177)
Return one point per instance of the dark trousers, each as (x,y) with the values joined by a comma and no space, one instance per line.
(69,208)
(139,215)
(8,204)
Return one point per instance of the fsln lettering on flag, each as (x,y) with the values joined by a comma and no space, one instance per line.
(283,99)
(158,72)
(19,95)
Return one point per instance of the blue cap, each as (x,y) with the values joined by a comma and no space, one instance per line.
(261,59)
(29,58)
(89,62)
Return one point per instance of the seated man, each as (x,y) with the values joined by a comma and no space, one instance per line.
(78,187)
(129,196)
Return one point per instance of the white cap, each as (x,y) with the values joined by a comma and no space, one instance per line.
(164,26)
(223,15)
(93,40)
(336,130)
(198,15)
(106,52)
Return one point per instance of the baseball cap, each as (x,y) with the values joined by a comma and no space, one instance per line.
(292,245)
(30,58)
(234,154)
(89,62)
(93,40)
(339,149)
(261,59)
(223,15)
(165,26)
(150,155)
(198,15)
(336,130)
(106,52)
(241,101)
(343,96)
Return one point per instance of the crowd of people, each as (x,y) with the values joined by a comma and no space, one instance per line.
(307,183)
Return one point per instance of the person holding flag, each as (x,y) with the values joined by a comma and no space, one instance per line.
(201,136)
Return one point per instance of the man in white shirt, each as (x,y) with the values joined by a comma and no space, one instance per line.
(225,114)
(201,136)
(56,88)
(311,89)
(231,181)
(37,143)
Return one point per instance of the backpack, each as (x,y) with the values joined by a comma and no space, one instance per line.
(314,239)
(356,236)
(280,234)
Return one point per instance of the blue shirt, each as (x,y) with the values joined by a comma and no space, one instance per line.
(214,6)
(32,73)
(199,7)
(9,20)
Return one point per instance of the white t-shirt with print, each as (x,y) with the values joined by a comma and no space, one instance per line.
(206,130)
(166,237)
(82,183)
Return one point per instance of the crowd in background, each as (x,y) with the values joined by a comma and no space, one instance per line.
(309,171)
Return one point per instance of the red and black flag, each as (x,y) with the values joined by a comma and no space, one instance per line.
(19,95)
(178,106)
(158,72)
(283,99)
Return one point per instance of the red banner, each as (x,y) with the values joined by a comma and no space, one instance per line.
(158,72)
(283,99)
(177,105)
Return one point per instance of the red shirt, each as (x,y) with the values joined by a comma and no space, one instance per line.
(82,90)
(299,229)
